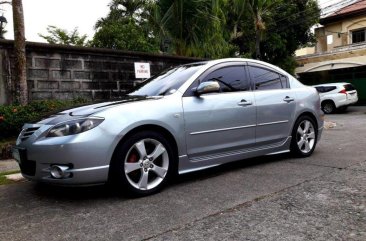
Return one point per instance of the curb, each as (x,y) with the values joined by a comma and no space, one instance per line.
(15,177)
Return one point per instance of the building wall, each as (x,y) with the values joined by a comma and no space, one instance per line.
(305,51)
(64,72)
(340,32)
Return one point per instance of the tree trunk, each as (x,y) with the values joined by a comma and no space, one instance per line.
(257,44)
(20,57)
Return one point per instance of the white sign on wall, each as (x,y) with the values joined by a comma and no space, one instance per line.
(330,39)
(142,70)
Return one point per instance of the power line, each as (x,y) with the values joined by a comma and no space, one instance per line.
(306,10)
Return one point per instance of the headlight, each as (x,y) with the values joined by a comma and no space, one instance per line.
(74,127)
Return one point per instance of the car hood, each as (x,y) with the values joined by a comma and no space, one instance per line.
(88,110)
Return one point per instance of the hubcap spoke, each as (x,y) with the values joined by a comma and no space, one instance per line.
(311,135)
(307,125)
(300,131)
(160,171)
(158,151)
(140,147)
(143,180)
(300,143)
(307,146)
(130,167)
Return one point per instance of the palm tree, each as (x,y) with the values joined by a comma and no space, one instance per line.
(195,27)
(237,10)
(260,10)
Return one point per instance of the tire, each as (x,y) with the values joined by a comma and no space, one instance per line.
(328,107)
(304,137)
(136,169)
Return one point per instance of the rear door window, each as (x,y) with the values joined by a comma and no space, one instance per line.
(265,79)
(325,89)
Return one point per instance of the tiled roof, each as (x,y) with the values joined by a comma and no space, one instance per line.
(355,7)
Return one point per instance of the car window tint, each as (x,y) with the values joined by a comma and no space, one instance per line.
(319,89)
(284,82)
(230,79)
(349,87)
(265,79)
(329,88)
(324,89)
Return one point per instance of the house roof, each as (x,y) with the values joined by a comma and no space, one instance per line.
(355,9)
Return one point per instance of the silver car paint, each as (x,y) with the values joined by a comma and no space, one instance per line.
(204,136)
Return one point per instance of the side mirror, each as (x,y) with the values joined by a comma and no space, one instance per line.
(207,87)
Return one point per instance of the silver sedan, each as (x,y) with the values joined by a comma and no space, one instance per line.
(185,119)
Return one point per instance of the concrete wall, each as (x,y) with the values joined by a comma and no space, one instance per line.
(64,72)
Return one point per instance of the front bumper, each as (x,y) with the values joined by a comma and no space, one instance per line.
(87,156)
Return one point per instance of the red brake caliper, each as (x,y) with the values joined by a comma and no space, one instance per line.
(132,158)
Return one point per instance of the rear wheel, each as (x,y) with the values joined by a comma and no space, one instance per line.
(328,107)
(304,137)
(143,163)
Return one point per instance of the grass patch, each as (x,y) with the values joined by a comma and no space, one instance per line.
(4,180)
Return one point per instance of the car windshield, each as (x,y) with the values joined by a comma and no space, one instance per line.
(167,82)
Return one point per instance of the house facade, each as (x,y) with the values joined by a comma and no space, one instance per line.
(340,51)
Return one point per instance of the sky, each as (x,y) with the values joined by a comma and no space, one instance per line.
(67,14)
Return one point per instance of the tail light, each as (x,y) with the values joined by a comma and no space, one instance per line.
(343,91)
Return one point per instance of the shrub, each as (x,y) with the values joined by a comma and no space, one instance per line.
(13,117)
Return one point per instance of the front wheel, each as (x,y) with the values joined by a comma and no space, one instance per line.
(143,163)
(304,137)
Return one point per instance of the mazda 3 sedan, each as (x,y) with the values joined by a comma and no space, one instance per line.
(185,119)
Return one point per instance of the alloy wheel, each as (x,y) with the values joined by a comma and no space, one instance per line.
(146,164)
(305,136)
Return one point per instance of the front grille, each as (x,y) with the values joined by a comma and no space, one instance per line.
(28,167)
(26,133)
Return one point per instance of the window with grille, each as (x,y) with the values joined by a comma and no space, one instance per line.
(359,36)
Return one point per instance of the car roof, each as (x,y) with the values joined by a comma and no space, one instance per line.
(210,63)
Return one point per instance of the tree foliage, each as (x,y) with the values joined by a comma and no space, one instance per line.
(62,36)
(126,27)
(287,27)
(267,29)
(195,27)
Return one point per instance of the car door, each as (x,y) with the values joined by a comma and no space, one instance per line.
(275,104)
(217,124)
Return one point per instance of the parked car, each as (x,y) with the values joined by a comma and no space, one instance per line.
(185,119)
(335,96)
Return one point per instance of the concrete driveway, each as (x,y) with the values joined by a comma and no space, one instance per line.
(272,198)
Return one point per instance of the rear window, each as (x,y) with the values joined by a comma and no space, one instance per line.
(325,89)
(349,87)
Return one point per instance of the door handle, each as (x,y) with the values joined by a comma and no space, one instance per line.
(245,103)
(288,99)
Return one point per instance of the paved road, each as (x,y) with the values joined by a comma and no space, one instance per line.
(273,198)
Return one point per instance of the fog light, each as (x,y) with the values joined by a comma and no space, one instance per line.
(59,172)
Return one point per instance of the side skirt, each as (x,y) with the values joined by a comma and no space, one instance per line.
(187,164)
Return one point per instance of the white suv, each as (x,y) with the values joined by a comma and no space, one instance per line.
(335,96)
